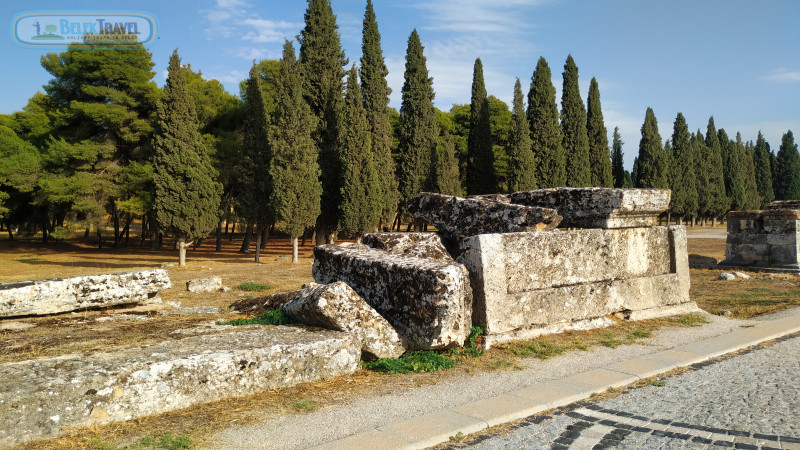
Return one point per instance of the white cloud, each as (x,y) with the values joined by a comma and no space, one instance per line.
(268,30)
(783,75)
(232,77)
(477,16)
(234,19)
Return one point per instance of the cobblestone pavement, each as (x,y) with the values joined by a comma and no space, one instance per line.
(748,401)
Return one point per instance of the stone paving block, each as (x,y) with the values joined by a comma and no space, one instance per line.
(676,358)
(374,439)
(500,409)
(720,345)
(555,393)
(642,367)
(434,428)
(601,379)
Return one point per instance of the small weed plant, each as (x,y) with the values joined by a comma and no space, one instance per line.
(271,317)
(253,286)
(166,441)
(690,320)
(416,361)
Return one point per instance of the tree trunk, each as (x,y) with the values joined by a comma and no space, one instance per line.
(86,234)
(259,233)
(314,234)
(245,248)
(669,217)
(155,243)
(218,248)
(181,252)
(713,221)
(305,232)
(294,250)
(265,236)
(233,230)
(99,238)
(320,236)
(10,233)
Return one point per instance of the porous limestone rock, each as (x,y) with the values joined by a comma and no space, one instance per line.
(726,276)
(337,306)
(423,245)
(266,303)
(80,390)
(459,218)
(427,301)
(70,294)
(599,207)
(200,285)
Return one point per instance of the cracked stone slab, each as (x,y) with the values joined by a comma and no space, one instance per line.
(423,245)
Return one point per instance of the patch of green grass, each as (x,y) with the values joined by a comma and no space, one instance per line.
(271,317)
(416,361)
(690,320)
(458,437)
(641,334)
(304,405)
(541,349)
(253,286)
(612,341)
(27,257)
(764,302)
(471,349)
(166,441)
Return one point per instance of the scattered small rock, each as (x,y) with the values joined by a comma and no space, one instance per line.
(726,276)
(167,265)
(211,284)
(282,258)
(725,313)
(742,275)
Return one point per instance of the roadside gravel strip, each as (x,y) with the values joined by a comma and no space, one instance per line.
(425,416)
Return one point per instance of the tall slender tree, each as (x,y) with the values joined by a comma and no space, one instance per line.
(375,91)
(651,170)
(447,172)
(787,169)
(545,131)
(522,165)
(573,128)
(733,170)
(186,194)
(480,158)
(716,202)
(418,127)
(599,157)
(295,172)
(750,187)
(682,178)
(763,169)
(322,63)
(617,169)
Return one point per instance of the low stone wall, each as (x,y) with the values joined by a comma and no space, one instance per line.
(528,281)
(70,294)
(40,396)
(769,238)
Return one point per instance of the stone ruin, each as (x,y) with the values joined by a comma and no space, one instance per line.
(768,238)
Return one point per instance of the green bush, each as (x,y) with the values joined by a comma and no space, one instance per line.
(417,361)
(253,286)
(271,317)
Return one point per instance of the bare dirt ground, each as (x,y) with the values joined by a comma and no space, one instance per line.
(72,332)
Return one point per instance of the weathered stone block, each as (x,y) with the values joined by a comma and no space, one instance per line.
(78,390)
(747,254)
(768,238)
(337,306)
(459,218)
(599,207)
(70,294)
(255,304)
(428,301)
(200,285)
(422,245)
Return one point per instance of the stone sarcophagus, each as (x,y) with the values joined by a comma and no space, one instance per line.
(768,238)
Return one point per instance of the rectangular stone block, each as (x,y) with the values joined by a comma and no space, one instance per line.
(747,254)
(599,207)
(768,238)
(428,301)
(70,294)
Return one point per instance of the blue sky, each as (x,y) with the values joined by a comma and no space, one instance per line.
(738,60)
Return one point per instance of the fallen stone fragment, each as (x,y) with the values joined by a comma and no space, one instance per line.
(423,245)
(70,294)
(427,301)
(200,285)
(459,218)
(599,207)
(742,275)
(81,390)
(726,276)
(337,306)
(260,304)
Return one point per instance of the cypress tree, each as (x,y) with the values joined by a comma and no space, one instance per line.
(751,198)
(651,167)
(617,169)
(573,128)
(375,91)
(599,157)
(480,158)
(718,202)
(545,131)
(522,165)
(447,172)
(322,63)
(360,209)
(682,178)
(418,127)
(763,170)
(787,169)
(733,170)
(295,172)
(187,197)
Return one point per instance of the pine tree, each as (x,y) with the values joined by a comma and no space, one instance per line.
(545,131)
(733,170)
(751,199)
(522,165)
(718,202)
(787,169)
(761,161)
(682,178)
(480,158)
(375,91)
(322,63)
(651,167)
(186,195)
(418,127)
(447,172)
(617,168)
(599,157)
(573,128)
(295,172)
(360,209)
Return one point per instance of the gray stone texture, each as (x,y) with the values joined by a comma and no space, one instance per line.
(70,294)
(768,238)
(530,280)
(423,245)
(200,285)
(337,306)
(40,396)
(428,301)
(599,207)
(257,304)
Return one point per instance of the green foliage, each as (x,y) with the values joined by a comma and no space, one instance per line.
(304,405)
(575,140)
(253,286)
(447,173)
(763,171)
(545,131)
(617,168)
(416,361)
(652,164)
(480,158)
(787,169)
(271,317)
(682,178)
(540,348)
(599,157)
(712,201)
(20,164)
(752,200)
(522,164)
(689,320)
(733,170)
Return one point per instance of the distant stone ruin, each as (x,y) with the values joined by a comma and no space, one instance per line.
(768,238)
